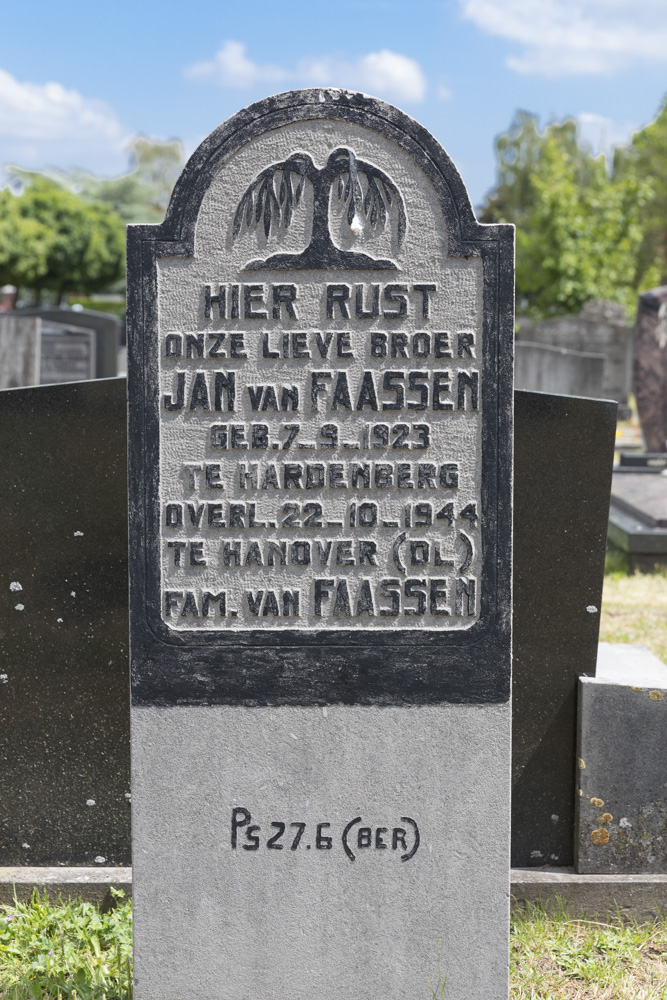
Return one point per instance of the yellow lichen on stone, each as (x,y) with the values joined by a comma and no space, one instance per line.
(598,803)
(605,818)
(600,837)
(582,764)
(656,695)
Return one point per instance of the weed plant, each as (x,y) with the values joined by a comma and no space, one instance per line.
(71,951)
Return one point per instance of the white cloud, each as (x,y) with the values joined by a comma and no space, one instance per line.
(575,37)
(230,67)
(602,135)
(43,124)
(385,73)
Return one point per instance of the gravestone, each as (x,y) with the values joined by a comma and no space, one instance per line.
(320,350)
(638,513)
(19,351)
(67,354)
(106,327)
(600,328)
(647,461)
(650,367)
(59,681)
(64,719)
(543,368)
(621,822)
(563,454)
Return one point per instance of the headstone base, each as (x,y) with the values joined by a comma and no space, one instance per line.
(249,919)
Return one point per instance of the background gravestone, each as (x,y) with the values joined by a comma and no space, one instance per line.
(67,354)
(320,533)
(106,327)
(601,328)
(543,368)
(638,510)
(650,367)
(20,340)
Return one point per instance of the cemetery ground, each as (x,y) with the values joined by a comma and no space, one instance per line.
(76,952)
(634,606)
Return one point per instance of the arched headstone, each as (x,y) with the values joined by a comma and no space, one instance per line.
(320,375)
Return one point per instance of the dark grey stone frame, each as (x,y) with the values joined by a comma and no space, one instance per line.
(279,667)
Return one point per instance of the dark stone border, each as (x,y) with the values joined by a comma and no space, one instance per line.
(316,667)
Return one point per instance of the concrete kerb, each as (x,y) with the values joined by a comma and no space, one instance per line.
(91,885)
(634,897)
(594,897)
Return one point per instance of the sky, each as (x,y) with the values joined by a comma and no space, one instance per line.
(79,79)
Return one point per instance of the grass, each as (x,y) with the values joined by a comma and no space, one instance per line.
(556,958)
(634,607)
(73,951)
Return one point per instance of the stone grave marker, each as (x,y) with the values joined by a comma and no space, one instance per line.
(69,682)
(67,354)
(558,571)
(621,816)
(64,718)
(20,340)
(638,512)
(650,367)
(320,394)
(601,328)
(106,333)
(546,368)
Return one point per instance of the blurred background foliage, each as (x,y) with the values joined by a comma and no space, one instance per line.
(63,233)
(589,226)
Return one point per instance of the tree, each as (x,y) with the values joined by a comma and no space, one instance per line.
(24,245)
(52,239)
(262,203)
(578,227)
(647,157)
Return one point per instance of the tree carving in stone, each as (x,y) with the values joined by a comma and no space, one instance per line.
(274,194)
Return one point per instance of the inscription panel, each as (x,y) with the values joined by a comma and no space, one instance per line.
(67,354)
(321,393)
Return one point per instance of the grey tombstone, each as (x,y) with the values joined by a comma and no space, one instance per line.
(638,513)
(650,367)
(320,395)
(543,368)
(621,819)
(107,334)
(67,354)
(601,328)
(20,339)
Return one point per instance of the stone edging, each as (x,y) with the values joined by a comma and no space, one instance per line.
(633,896)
